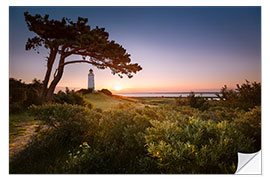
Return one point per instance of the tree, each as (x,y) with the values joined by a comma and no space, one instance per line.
(64,38)
(245,96)
(22,95)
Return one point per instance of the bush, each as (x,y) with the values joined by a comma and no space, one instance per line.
(72,120)
(126,139)
(193,101)
(71,97)
(249,124)
(62,128)
(85,91)
(16,107)
(106,91)
(245,96)
(119,144)
(196,146)
(219,113)
(22,95)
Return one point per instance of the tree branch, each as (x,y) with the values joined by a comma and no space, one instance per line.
(76,61)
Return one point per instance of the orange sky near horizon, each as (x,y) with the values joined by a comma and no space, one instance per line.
(180,49)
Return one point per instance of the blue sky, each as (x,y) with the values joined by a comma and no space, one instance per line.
(179,48)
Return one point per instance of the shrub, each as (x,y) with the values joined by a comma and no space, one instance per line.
(126,139)
(71,97)
(106,91)
(219,113)
(186,110)
(119,145)
(22,95)
(196,146)
(245,96)
(197,101)
(75,121)
(193,101)
(249,124)
(84,91)
(63,127)
(16,107)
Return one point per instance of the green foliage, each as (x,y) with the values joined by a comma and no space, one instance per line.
(156,101)
(193,101)
(63,127)
(119,144)
(195,146)
(22,95)
(71,97)
(125,139)
(219,113)
(186,110)
(78,38)
(197,101)
(245,96)
(105,102)
(72,121)
(106,91)
(249,124)
(84,91)
(17,123)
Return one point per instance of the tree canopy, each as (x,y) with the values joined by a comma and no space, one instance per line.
(66,38)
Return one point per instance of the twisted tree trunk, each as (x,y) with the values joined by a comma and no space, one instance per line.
(57,78)
(50,63)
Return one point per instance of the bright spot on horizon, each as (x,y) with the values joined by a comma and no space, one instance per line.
(117,88)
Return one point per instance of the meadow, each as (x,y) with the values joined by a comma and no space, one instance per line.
(99,133)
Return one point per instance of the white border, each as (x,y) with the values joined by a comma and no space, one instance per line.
(4,75)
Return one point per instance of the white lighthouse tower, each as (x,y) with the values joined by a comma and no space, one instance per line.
(91,82)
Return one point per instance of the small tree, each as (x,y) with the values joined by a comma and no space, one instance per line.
(66,38)
(245,96)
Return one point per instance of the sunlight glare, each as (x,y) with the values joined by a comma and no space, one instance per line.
(117,87)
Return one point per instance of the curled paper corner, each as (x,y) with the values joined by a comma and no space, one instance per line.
(249,163)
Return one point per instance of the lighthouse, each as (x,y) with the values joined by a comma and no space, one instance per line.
(91,82)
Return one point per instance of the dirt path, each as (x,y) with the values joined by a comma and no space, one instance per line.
(19,142)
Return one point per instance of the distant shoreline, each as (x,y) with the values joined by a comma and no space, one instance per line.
(170,92)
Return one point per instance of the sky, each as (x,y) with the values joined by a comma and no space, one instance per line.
(179,48)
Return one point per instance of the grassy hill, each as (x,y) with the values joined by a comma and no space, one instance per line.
(103,101)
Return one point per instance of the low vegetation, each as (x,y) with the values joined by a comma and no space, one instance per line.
(71,97)
(104,102)
(22,95)
(174,136)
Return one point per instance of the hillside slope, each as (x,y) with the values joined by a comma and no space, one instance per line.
(103,101)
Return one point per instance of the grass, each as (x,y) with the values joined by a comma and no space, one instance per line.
(18,123)
(21,128)
(104,102)
(22,125)
(156,101)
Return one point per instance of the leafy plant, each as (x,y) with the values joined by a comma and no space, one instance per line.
(71,97)
(193,101)
(245,96)
(22,95)
(249,124)
(196,146)
(125,139)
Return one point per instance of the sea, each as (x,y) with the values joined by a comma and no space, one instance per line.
(153,94)
(183,94)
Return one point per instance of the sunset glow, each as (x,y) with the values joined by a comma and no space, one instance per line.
(179,48)
(117,87)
